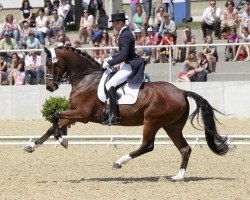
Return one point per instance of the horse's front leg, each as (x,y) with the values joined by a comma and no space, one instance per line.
(31,147)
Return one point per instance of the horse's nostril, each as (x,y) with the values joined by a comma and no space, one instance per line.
(49,88)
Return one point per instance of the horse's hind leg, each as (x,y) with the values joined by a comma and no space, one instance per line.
(183,147)
(31,147)
(147,145)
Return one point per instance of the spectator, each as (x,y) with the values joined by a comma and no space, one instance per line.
(24,34)
(63,9)
(159,18)
(211,53)
(133,4)
(87,24)
(55,25)
(189,69)
(105,41)
(48,8)
(150,40)
(233,38)
(41,26)
(95,5)
(56,4)
(230,16)
(168,25)
(114,42)
(139,41)
(32,42)
(225,32)
(14,68)
(3,71)
(11,26)
(62,38)
(202,69)
(147,5)
(169,7)
(8,43)
(33,68)
(139,19)
(1,6)
(103,19)
(245,18)
(26,10)
(211,20)
(243,51)
(77,44)
(97,53)
(85,4)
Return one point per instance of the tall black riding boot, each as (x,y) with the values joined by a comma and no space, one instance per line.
(113,116)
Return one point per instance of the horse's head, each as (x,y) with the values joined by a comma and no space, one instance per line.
(55,69)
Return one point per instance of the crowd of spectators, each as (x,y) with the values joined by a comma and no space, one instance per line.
(153,23)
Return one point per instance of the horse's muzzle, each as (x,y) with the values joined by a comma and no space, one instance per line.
(52,89)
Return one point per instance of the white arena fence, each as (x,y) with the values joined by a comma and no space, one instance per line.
(114,140)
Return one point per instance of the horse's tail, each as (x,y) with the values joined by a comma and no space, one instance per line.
(216,143)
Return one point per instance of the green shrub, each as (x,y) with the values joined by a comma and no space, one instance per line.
(52,105)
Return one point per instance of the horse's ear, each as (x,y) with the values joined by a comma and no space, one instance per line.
(47,51)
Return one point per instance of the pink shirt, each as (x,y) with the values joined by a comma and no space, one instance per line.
(230,16)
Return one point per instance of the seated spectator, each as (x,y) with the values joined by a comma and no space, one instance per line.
(211,20)
(55,25)
(41,26)
(245,22)
(63,9)
(202,68)
(24,34)
(48,8)
(139,19)
(77,44)
(168,25)
(225,32)
(96,34)
(11,26)
(14,68)
(105,41)
(150,39)
(189,69)
(8,43)
(233,38)
(97,55)
(243,51)
(188,37)
(159,18)
(103,19)
(62,38)
(56,4)
(33,68)
(26,10)
(32,42)
(87,24)
(3,71)
(139,41)
(211,54)
(230,16)
(114,43)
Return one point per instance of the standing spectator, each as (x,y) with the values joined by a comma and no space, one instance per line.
(87,24)
(159,18)
(244,48)
(55,25)
(168,25)
(8,43)
(56,4)
(41,26)
(14,68)
(48,8)
(24,34)
(103,19)
(169,7)
(33,68)
(26,10)
(3,71)
(230,16)
(133,4)
(211,20)
(245,22)
(93,7)
(139,19)
(63,9)
(11,26)
(85,4)
(32,42)
(211,53)
(147,5)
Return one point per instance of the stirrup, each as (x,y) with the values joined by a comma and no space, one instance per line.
(112,120)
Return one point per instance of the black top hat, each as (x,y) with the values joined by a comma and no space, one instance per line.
(118,16)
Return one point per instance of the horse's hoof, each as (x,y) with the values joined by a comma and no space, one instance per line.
(117,166)
(29,149)
(65,143)
(176,178)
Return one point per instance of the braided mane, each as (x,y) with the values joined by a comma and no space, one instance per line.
(85,54)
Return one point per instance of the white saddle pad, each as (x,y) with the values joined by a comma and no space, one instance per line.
(127,95)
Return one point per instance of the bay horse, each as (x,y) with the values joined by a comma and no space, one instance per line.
(159,105)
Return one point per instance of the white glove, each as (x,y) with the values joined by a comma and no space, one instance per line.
(107,59)
(105,65)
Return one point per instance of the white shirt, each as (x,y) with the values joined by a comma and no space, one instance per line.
(208,14)
(30,61)
(63,10)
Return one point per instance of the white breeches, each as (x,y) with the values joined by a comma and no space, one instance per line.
(120,76)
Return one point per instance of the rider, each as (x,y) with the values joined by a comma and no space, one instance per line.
(131,69)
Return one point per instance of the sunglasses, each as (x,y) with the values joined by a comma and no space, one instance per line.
(85,12)
(161,10)
(212,4)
